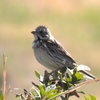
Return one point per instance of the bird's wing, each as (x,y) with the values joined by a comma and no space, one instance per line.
(59,54)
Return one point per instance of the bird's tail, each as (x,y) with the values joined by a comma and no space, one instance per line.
(87,75)
(83,69)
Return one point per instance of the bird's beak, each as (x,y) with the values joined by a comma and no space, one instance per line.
(33,32)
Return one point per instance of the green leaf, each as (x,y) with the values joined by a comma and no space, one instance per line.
(86,98)
(77,76)
(34,93)
(42,91)
(1,95)
(37,74)
(91,97)
(53,93)
(68,80)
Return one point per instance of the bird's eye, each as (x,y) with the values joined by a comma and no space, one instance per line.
(41,31)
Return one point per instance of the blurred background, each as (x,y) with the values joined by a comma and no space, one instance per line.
(74,23)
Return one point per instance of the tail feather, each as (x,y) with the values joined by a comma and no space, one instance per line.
(83,69)
(89,76)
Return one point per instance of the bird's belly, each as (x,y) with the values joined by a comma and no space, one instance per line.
(45,59)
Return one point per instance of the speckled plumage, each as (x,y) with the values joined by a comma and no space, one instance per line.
(50,53)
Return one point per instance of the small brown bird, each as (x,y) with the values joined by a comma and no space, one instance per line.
(51,54)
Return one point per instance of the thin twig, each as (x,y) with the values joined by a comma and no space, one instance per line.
(76,87)
(4,75)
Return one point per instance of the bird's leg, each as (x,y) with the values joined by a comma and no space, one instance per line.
(63,70)
(54,74)
(46,77)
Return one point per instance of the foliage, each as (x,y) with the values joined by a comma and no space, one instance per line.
(53,84)
(1,95)
(91,97)
(57,85)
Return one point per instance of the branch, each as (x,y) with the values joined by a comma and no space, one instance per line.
(4,75)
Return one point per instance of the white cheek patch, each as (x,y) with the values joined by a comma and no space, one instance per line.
(35,37)
(50,35)
(44,38)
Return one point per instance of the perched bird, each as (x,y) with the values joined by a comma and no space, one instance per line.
(51,54)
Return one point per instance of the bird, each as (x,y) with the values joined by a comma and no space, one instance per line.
(51,54)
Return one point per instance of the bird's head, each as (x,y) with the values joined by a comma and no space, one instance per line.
(42,33)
